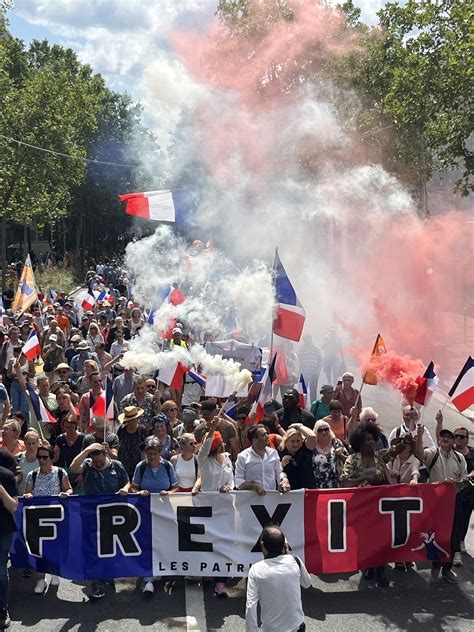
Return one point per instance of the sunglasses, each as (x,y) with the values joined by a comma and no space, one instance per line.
(43,457)
(458,436)
(193,443)
(323,430)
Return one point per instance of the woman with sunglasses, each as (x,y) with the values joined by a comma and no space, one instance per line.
(170,409)
(162,430)
(297,448)
(185,464)
(328,456)
(47,480)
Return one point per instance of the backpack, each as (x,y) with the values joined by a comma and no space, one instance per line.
(436,457)
(143,464)
(34,476)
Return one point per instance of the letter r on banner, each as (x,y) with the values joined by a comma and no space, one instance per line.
(116,525)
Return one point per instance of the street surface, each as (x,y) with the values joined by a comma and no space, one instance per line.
(334,602)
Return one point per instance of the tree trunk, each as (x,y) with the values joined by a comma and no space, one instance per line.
(3,251)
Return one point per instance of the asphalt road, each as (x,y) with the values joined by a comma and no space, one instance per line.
(333,602)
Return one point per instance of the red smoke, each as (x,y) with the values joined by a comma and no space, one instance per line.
(399,371)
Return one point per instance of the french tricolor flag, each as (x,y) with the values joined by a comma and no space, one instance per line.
(302,391)
(32,347)
(462,391)
(197,377)
(290,314)
(41,412)
(172,374)
(88,301)
(160,206)
(103,406)
(265,395)
(427,384)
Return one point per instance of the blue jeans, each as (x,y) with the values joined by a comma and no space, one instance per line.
(5,544)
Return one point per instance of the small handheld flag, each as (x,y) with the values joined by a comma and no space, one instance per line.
(427,384)
(32,347)
(88,301)
(41,412)
(302,391)
(370,376)
(462,391)
(265,395)
(290,315)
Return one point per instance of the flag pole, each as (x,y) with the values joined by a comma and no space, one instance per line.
(365,374)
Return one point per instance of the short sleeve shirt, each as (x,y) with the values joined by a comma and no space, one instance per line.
(155,480)
(106,481)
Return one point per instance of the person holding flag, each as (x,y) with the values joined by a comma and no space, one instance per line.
(26,367)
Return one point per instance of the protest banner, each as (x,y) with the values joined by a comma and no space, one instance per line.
(214,534)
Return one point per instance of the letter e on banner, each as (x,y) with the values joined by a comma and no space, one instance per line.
(39,524)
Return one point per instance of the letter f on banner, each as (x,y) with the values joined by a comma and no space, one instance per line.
(39,524)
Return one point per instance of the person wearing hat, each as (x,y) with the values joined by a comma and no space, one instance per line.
(70,314)
(320,407)
(99,431)
(177,339)
(83,353)
(53,329)
(348,396)
(52,355)
(71,351)
(444,463)
(131,436)
(291,413)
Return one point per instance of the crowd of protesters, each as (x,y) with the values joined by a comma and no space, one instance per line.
(155,440)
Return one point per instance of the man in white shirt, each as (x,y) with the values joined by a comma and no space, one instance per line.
(275,583)
(410,421)
(258,468)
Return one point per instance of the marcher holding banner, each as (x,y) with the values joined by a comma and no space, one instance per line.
(46,480)
(8,506)
(275,584)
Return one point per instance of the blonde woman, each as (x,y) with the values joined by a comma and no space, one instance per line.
(296,450)
(170,409)
(328,456)
(10,440)
(94,336)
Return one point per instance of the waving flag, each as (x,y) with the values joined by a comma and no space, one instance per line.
(427,384)
(198,377)
(265,395)
(41,412)
(462,391)
(26,294)
(172,374)
(290,314)
(32,348)
(88,301)
(302,391)
(103,406)
(370,376)
(161,206)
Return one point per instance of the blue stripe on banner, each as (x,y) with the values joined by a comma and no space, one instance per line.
(63,536)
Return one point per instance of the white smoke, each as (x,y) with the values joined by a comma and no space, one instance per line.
(145,354)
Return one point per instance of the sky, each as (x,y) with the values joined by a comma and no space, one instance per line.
(127,41)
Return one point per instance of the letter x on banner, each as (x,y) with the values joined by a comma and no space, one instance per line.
(213,534)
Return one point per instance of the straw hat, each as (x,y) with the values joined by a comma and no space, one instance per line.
(130,413)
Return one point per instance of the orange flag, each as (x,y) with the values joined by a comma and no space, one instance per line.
(370,376)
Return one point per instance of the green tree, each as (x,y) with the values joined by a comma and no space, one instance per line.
(412,75)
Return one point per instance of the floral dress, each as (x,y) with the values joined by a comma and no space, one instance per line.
(326,466)
(353,467)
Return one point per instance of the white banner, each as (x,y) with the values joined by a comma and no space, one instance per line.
(214,534)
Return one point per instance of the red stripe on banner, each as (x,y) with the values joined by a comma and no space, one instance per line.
(356,528)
